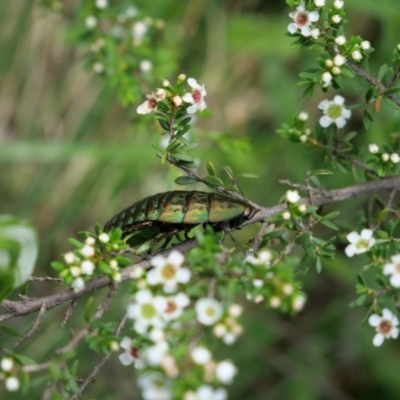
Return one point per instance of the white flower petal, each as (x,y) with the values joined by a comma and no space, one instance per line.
(306,31)
(183,275)
(176,258)
(395,280)
(374,320)
(323,105)
(366,234)
(143,296)
(126,343)
(313,16)
(192,83)
(350,250)
(325,121)
(396,259)
(192,109)
(378,339)
(387,314)
(353,237)
(340,122)
(126,359)
(292,28)
(346,113)
(339,100)
(389,269)
(394,333)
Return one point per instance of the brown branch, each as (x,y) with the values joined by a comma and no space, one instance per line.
(373,81)
(19,308)
(31,331)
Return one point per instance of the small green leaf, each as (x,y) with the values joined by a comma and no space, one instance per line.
(211,169)
(182,157)
(248,175)
(318,265)
(59,266)
(89,309)
(185,180)
(322,172)
(213,181)
(392,90)
(10,330)
(329,224)
(75,243)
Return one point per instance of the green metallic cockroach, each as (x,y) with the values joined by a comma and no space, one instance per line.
(170,213)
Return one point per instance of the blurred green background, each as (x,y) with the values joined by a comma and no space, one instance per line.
(71,156)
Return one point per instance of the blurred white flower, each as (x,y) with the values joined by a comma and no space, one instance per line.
(90,22)
(340,40)
(385,157)
(359,243)
(196,97)
(149,105)
(393,269)
(394,158)
(6,364)
(336,18)
(373,148)
(200,355)
(225,372)
(175,306)
(12,384)
(356,55)
(104,237)
(338,4)
(87,250)
(302,20)
(385,326)
(87,267)
(139,29)
(334,112)
(131,354)
(168,271)
(101,4)
(207,392)
(78,285)
(145,65)
(209,311)
(292,196)
(365,45)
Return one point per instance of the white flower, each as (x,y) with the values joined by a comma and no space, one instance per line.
(98,68)
(336,18)
(137,273)
(175,306)
(263,258)
(385,157)
(315,33)
(340,40)
(200,355)
(131,354)
(147,311)
(339,60)
(154,355)
(154,386)
(90,240)
(101,4)
(326,78)
(302,208)
(177,100)
(156,335)
(69,257)
(145,65)
(139,29)
(302,20)
(87,267)
(78,285)
(6,364)
(275,302)
(393,269)
(131,12)
(298,303)
(287,289)
(208,311)
(394,158)
(90,22)
(75,271)
(161,94)
(373,148)
(365,45)
(286,215)
(356,55)
(168,271)
(303,116)
(258,283)
(12,384)
(225,372)
(149,105)
(334,112)
(386,326)
(292,196)
(338,4)
(319,3)
(196,97)
(303,138)
(104,237)
(359,243)
(206,392)
(235,310)
(87,250)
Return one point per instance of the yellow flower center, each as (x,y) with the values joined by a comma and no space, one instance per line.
(168,271)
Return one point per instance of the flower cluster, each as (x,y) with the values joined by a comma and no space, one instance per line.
(384,159)
(128,28)
(87,259)
(158,310)
(175,97)
(7,373)
(274,284)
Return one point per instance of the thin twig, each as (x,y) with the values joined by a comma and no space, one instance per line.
(69,312)
(31,331)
